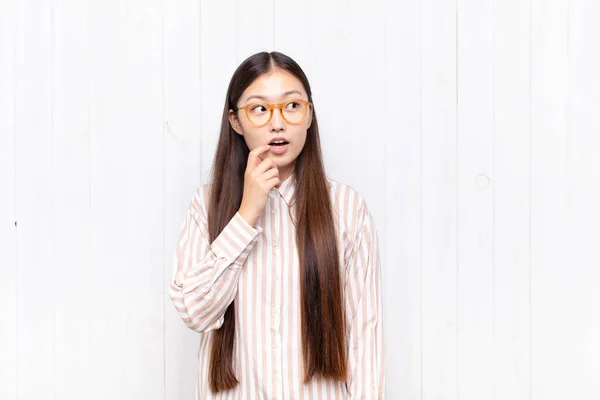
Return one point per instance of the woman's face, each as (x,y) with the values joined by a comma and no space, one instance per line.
(276,86)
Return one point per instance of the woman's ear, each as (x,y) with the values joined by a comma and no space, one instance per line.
(235,122)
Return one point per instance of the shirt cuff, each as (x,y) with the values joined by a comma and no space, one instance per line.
(236,240)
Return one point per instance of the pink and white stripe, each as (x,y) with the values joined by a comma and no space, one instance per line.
(258,267)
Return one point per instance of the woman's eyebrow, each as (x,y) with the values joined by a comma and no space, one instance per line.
(282,95)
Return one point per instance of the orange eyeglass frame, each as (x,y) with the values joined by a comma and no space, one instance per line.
(271,106)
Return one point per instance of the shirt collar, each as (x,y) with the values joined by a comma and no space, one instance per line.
(287,188)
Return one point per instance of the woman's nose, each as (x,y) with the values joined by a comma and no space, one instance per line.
(277,121)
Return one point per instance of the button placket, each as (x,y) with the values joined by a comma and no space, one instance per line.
(276,241)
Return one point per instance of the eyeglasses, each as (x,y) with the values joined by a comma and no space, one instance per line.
(292,111)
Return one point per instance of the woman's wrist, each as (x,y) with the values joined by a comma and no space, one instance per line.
(248,216)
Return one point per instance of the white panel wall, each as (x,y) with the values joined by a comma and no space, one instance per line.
(470,127)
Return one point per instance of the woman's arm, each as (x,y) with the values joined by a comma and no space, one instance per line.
(364,304)
(205,276)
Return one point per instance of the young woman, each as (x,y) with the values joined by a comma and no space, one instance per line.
(277,266)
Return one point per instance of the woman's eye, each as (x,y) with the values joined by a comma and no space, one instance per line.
(292,105)
(258,108)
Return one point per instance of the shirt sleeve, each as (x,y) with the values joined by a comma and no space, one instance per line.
(364,304)
(204,276)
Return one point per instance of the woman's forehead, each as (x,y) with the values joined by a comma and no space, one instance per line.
(274,86)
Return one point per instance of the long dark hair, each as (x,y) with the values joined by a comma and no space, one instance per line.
(322,320)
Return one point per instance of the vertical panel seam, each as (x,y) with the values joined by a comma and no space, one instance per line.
(493,199)
(457,199)
(165,266)
(52,197)
(421,194)
(530,203)
(15,202)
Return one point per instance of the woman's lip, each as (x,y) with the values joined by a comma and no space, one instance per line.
(279,149)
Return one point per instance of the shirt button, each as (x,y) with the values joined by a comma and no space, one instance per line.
(274,211)
(275,345)
(276,277)
(274,311)
(273,193)
(275,240)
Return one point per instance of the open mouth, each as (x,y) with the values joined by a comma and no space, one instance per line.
(279,143)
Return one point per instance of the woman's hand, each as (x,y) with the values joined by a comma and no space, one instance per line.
(260,177)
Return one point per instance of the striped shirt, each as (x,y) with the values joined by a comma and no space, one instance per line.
(258,267)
